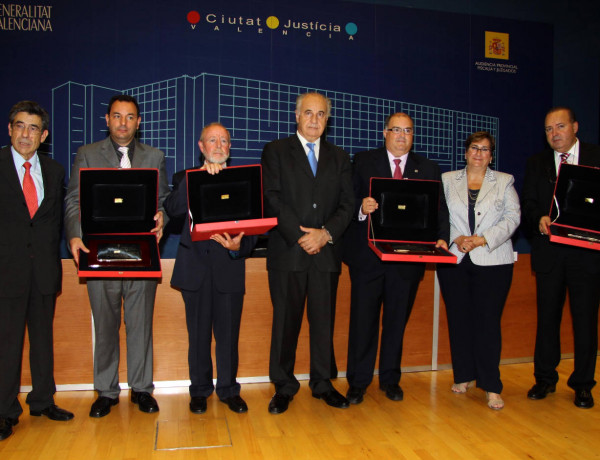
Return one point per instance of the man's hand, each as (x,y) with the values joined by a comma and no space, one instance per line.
(158,218)
(544,225)
(441,244)
(368,205)
(313,239)
(212,168)
(233,244)
(75,245)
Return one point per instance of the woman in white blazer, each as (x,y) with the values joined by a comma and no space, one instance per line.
(484,213)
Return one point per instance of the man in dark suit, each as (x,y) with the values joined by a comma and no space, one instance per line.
(31,192)
(211,276)
(373,281)
(560,267)
(308,187)
(119,150)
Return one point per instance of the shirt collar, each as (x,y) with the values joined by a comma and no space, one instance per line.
(20,161)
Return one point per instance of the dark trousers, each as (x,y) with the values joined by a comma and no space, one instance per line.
(289,291)
(397,291)
(584,298)
(475,296)
(36,311)
(208,311)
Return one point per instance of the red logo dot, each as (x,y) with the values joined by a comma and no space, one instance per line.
(193,17)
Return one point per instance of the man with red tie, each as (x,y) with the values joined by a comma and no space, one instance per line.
(393,284)
(31,194)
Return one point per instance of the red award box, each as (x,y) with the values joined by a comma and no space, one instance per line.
(575,209)
(405,225)
(230,201)
(116,212)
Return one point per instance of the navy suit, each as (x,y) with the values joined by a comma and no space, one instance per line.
(212,283)
(558,267)
(30,277)
(373,281)
(296,197)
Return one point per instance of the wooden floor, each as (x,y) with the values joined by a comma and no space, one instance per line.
(431,423)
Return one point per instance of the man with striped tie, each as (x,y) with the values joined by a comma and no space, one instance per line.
(31,193)
(120,150)
(560,268)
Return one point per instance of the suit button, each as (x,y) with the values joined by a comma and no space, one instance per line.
(478,213)
(314,205)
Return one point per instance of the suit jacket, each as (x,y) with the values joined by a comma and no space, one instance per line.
(102,155)
(375,163)
(536,200)
(296,197)
(197,259)
(24,240)
(497,215)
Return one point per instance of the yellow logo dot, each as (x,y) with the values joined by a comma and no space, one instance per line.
(272,22)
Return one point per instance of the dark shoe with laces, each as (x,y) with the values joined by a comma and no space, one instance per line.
(393,392)
(584,399)
(279,403)
(540,390)
(198,404)
(236,404)
(334,399)
(53,412)
(355,395)
(145,401)
(102,405)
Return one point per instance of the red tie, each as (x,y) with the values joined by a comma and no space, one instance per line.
(398,170)
(29,190)
(564,157)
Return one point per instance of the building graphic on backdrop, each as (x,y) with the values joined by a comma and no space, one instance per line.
(256,112)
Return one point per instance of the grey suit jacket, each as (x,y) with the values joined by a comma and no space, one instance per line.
(497,215)
(102,155)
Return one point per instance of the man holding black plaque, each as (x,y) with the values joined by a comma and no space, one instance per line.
(308,186)
(119,150)
(560,267)
(211,277)
(31,191)
(375,282)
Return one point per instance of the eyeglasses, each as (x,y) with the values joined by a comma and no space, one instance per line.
(34,130)
(476,148)
(398,130)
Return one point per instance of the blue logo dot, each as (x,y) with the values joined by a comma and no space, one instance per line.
(351,28)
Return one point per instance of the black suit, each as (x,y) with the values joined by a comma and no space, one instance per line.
(557,268)
(373,281)
(212,283)
(30,277)
(296,197)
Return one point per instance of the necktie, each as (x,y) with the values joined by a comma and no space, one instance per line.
(125,162)
(312,159)
(398,170)
(29,190)
(564,157)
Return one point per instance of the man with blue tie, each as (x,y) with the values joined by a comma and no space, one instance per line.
(308,186)
(375,282)
(31,193)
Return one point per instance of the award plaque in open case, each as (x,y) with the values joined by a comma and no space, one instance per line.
(117,208)
(404,227)
(575,210)
(230,201)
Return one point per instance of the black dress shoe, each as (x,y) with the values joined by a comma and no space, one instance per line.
(584,399)
(145,401)
(102,405)
(236,404)
(393,392)
(5,428)
(53,412)
(355,395)
(540,390)
(334,399)
(198,404)
(279,403)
